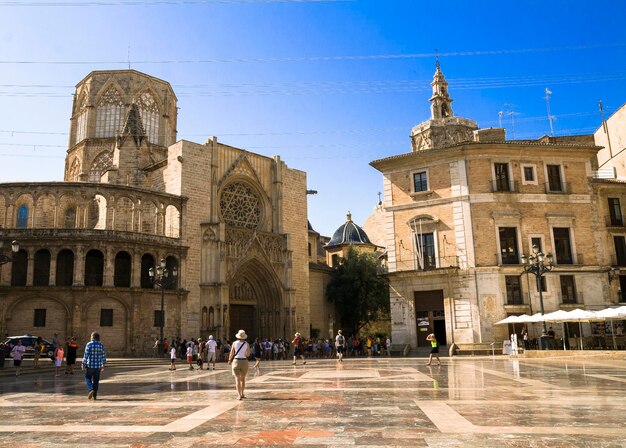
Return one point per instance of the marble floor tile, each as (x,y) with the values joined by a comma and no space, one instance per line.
(474,401)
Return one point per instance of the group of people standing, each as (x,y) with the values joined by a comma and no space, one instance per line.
(59,353)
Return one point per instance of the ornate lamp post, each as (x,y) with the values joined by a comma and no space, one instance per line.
(538,264)
(15,248)
(160,276)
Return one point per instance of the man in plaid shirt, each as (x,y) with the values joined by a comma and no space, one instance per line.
(94,361)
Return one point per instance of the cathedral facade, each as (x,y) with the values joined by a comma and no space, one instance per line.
(232,223)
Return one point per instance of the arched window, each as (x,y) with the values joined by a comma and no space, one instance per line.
(123,263)
(100,165)
(65,268)
(70,218)
(41,275)
(170,264)
(19,268)
(147,262)
(149,116)
(94,268)
(109,114)
(22,217)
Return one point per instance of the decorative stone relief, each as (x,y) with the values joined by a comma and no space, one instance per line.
(242,291)
(240,206)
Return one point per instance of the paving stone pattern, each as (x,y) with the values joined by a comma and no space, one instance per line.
(383,402)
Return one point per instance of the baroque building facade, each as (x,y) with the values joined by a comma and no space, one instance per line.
(232,222)
(462,207)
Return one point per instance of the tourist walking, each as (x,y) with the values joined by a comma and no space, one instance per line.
(340,345)
(238,357)
(94,361)
(190,355)
(17,352)
(70,355)
(434,349)
(59,354)
(173,357)
(256,352)
(39,348)
(298,349)
(211,347)
(388,345)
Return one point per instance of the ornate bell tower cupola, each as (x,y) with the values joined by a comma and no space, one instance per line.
(441,103)
(443,129)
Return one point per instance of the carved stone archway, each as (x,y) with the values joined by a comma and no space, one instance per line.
(255,302)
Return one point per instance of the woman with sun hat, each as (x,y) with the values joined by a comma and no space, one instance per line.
(238,357)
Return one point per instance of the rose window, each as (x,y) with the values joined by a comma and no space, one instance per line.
(240,206)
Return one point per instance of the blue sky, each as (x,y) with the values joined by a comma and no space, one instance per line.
(327,85)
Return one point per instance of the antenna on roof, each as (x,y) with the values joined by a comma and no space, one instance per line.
(512,114)
(605,126)
(128,56)
(551,118)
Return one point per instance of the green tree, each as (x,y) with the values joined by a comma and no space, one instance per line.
(359,293)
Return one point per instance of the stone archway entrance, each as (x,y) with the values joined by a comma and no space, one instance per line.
(255,302)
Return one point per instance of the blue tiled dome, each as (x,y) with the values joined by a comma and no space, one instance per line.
(349,233)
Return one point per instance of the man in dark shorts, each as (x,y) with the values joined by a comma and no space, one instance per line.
(340,345)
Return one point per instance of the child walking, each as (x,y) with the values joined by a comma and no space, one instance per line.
(58,359)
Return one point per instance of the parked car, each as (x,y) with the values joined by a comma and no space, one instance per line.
(28,341)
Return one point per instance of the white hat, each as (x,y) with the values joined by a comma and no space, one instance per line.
(241,335)
(211,337)
(297,334)
(339,331)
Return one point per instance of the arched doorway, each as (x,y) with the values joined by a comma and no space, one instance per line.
(255,302)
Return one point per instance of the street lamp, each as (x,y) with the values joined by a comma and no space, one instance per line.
(538,264)
(160,276)
(15,248)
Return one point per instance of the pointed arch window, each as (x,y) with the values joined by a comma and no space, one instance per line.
(100,165)
(109,114)
(81,121)
(149,116)
(73,174)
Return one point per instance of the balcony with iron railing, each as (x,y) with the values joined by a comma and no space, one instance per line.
(504,186)
(429,264)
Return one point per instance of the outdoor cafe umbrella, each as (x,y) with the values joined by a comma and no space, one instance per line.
(580,316)
(511,320)
(558,316)
(612,314)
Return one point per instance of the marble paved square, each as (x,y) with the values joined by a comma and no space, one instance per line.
(382,402)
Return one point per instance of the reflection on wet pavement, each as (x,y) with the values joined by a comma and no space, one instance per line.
(486,402)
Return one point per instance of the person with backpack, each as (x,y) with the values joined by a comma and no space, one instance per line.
(340,345)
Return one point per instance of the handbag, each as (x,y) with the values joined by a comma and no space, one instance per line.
(231,356)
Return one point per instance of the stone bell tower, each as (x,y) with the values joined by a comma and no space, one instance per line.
(443,129)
